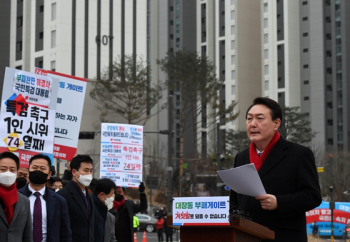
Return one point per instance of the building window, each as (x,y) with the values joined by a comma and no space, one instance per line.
(19,46)
(233,45)
(41,35)
(306,82)
(53,11)
(266,69)
(41,8)
(233,15)
(265,8)
(267,85)
(233,60)
(266,38)
(305,3)
(306,98)
(19,22)
(233,30)
(330,122)
(329,87)
(305,50)
(266,54)
(53,38)
(41,64)
(266,23)
(171,8)
(328,36)
(329,70)
(233,90)
(330,141)
(329,53)
(330,105)
(305,18)
(233,75)
(305,34)
(306,66)
(53,65)
(328,19)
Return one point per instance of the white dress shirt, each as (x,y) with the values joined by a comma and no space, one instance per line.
(32,199)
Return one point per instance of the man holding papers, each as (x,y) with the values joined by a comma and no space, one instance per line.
(287,172)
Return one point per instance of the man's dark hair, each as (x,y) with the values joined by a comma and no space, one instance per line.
(40,156)
(77,160)
(275,108)
(93,184)
(104,185)
(10,155)
(56,178)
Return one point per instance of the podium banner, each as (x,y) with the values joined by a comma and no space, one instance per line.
(201,211)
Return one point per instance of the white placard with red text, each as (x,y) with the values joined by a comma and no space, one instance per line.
(27,114)
(70,102)
(121,153)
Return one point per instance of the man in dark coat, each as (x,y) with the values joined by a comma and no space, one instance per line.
(57,217)
(103,198)
(79,202)
(287,171)
(124,211)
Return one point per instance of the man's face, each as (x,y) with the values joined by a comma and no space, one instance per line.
(119,191)
(58,185)
(85,169)
(7,164)
(41,165)
(23,172)
(260,126)
(103,196)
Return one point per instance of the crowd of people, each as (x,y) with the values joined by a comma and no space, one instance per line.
(39,207)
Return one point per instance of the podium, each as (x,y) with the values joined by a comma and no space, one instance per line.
(239,230)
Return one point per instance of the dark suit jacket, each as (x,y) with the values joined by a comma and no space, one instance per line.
(58,225)
(20,228)
(289,173)
(82,227)
(132,209)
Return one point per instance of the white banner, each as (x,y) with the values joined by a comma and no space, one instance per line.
(200,211)
(121,153)
(70,103)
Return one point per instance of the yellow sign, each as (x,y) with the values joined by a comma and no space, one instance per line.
(13,142)
(320,169)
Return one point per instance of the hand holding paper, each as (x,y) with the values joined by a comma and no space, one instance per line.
(244,180)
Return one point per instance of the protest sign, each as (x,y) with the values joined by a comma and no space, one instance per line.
(27,114)
(201,211)
(71,90)
(121,153)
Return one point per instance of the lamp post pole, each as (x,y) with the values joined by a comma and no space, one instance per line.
(170,160)
(218,152)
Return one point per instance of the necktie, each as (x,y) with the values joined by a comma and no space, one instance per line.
(37,219)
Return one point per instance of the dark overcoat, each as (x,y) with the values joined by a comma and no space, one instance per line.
(288,172)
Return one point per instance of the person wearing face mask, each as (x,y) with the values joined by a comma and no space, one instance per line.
(49,210)
(80,205)
(124,210)
(103,198)
(15,217)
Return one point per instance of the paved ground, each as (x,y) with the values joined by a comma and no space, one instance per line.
(152,237)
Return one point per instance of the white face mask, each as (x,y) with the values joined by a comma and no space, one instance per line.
(85,180)
(109,202)
(56,190)
(7,178)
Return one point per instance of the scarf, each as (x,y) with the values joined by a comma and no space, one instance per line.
(117,205)
(254,157)
(8,196)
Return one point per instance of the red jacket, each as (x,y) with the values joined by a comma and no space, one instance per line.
(159,224)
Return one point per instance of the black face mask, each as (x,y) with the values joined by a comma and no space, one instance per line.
(21,182)
(118,197)
(37,177)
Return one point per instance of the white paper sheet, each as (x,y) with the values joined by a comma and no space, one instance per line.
(244,180)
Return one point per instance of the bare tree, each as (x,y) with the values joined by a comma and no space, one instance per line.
(195,79)
(128,92)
